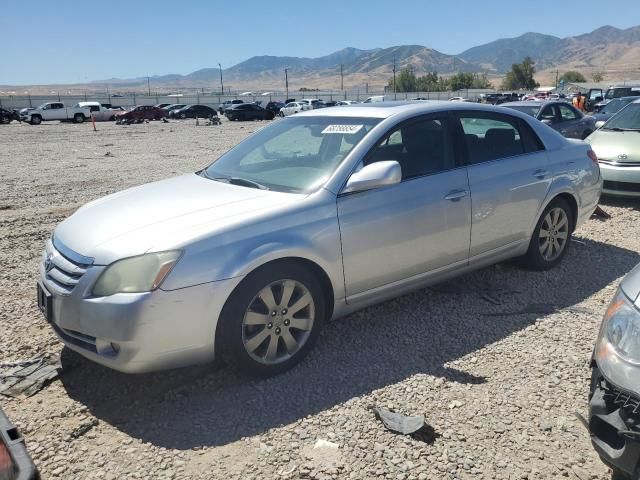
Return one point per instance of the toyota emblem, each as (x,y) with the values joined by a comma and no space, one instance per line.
(623,157)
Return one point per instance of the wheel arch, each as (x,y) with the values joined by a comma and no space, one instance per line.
(319,272)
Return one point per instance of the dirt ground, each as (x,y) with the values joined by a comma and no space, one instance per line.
(498,380)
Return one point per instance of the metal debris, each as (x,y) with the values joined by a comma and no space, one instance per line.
(396,422)
(29,377)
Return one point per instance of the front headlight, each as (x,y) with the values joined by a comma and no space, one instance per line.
(621,325)
(136,274)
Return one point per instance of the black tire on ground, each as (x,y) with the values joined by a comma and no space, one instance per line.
(5,120)
(36,120)
(619,475)
(112,118)
(586,133)
(78,118)
(229,335)
(534,259)
(281,114)
(183,116)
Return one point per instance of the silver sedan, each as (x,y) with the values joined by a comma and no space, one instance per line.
(308,219)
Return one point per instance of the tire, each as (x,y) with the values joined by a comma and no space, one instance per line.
(617,474)
(557,221)
(586,133)
(36,120)
(112,118)
(183,116)
(281,114)
(259,348)
(5,120)
(78,118)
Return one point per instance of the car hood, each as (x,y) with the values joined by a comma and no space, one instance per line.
(621,147)
(161,215)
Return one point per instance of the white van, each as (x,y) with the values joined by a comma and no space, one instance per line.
(376,98)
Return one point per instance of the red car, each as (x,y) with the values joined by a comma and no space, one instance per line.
(140,114)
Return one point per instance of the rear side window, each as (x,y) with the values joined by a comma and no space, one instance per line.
(493,136)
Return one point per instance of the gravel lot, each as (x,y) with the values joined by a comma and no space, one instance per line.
(498,382)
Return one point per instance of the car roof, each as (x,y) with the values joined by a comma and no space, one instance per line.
(388,109)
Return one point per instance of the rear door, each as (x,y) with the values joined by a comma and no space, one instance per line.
(572,123)
(508,177)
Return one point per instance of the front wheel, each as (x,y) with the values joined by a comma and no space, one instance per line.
(271,320)
(551,236)
(78,118)
(36,120)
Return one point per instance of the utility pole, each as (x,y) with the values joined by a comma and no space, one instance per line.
(221,84)
(341,78)
(557,73)
(395,97)
(286,81)
(148,87)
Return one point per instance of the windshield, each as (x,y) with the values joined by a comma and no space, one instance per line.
(614,105)
(297,154)
(528,109)
(627,119)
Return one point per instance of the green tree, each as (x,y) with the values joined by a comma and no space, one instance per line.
(405,81)
(521,76)
(573,76)
(598,76)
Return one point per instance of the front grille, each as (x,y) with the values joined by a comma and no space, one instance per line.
(619,164)
(61,274)
(624,400)
(621,186)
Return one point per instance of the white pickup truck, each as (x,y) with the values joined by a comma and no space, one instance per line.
(56,111)
(100,112)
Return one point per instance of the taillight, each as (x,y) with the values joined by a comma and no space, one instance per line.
(592,155)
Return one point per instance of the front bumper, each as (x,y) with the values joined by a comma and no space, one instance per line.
(614,425)
(138,332)
(620,180)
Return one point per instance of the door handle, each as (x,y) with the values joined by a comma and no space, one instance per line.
(540,173)
(455,195)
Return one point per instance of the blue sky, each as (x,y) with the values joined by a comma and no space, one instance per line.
(74,41)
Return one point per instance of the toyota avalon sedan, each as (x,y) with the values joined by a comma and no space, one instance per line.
(614,399)
(310,218)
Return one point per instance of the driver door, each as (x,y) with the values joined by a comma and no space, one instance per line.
(394,235)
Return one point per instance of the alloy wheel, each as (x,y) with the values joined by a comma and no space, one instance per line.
(278,321)
(554,233)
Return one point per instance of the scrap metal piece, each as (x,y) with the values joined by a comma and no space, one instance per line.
(30,376)
(396,422)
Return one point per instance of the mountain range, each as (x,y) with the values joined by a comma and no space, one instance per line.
(608,49)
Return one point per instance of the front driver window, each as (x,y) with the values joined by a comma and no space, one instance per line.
(420,147)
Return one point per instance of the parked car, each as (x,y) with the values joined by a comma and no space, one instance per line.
(173,106)
(162,105)
(561,116)
(293,107)
(193,111)
(346,102)
(140,114)
(228,103)
(617,144)
(98,111)
(312,103)
(614,393)
(596,100)
(55,111)
(610,109)
(274,107)
(376,98)
(7,116)
(15,461)
(308,219)
(248,111)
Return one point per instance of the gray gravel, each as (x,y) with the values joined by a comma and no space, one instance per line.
(499,390)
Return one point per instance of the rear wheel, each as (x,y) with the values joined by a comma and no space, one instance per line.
(272,320)
(183,116)
(551,236)
(78,118)
(36,120)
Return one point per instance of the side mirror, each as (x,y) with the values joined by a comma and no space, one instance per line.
(374,175)
(547,121)
(600,123)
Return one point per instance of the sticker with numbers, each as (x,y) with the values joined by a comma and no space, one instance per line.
(346,129)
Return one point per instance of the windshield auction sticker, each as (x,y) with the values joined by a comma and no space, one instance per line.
(347,129)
